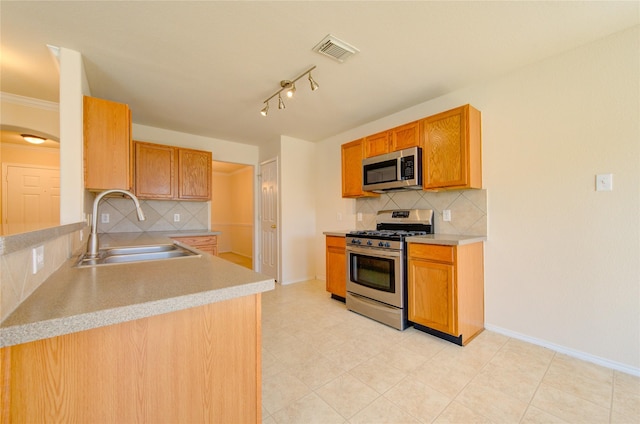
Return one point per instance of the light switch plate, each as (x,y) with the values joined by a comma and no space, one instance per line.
(604,182)
(446,215)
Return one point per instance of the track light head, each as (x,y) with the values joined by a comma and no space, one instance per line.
(280,102)
(289,87)
(314,84)
(265,109)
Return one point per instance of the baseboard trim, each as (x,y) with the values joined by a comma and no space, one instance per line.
(567,351)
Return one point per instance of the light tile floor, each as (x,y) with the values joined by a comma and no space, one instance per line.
(324,364)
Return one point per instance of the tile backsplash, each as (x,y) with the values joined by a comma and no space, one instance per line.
(468,209)
(159,215)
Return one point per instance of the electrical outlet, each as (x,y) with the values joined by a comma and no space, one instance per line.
(446,215)
(104,218)
(176,217)
(38,258)
(339,216)
(359,216)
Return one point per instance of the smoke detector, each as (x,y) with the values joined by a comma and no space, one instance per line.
(335,48)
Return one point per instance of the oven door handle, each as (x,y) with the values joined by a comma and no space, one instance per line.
(373,252)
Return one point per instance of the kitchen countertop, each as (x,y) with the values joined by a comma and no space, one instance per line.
(446,239)
(77,299)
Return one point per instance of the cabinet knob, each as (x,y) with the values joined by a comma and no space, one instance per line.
(273,225)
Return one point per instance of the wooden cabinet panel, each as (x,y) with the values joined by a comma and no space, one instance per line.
(194,177)
(336,266)
(155,171)
(107,145)
(208,244)
(405,136)
(352,155)
(452,152)
(446,288)
(377,144)
(432,295)
(201,365)
(168,172)
(433,252)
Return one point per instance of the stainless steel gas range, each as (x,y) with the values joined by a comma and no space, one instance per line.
(377,265)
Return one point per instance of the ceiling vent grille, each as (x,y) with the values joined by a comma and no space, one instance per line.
(335,48)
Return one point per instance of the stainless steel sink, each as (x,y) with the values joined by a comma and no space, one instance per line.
(128,254)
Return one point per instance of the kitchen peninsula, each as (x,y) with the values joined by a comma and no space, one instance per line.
(175,340)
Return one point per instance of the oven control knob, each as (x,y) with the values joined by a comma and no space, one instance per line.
(387,244)
(381,244)
(355,241)
(369,243)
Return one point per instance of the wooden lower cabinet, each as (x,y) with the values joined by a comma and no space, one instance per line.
(336,266)
(197,365)
(208,244)
(446,289)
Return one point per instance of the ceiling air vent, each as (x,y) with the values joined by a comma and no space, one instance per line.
(334,48)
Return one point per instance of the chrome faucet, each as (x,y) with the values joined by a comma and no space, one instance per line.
(92,244)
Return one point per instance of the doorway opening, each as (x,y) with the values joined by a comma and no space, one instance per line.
(232,211)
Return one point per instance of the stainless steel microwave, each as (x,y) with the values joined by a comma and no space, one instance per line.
(398,170)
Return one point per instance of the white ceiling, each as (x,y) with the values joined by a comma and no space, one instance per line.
(205,67)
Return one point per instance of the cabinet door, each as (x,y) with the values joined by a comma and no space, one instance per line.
(405,136)
(431,294)
(194,174)
(107,145)
(352,154)
(336,266)
(377,144)
(155,175)
(452,153)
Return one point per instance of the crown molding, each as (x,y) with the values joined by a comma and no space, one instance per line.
(29,102)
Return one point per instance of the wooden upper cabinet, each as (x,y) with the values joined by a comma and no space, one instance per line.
(168,172)
(352,155)
(405,136)
(377,144)
(452,156)
(107,145)
(194,174)
(155,171)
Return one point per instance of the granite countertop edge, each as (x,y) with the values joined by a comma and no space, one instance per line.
(77,299)
(447,239)
(29,332)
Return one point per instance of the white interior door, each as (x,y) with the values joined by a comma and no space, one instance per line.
(30,198)
(269,219)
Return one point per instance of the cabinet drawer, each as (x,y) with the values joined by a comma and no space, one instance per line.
(196,241)
(335,241)
(432,252)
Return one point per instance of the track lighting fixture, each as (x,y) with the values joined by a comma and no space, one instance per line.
(289,87)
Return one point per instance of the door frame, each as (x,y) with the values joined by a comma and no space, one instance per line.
(278,218)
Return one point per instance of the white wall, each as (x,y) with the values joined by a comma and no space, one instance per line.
(73,86)
(298,209)
(562,261)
